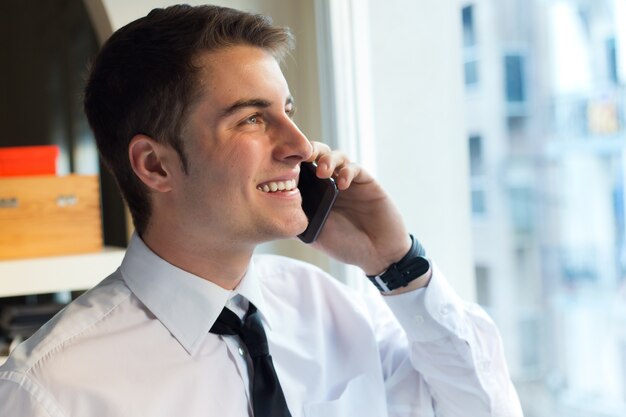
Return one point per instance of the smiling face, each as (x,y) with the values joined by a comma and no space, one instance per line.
(243,150)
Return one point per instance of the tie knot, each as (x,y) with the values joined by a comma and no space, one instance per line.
(250,330)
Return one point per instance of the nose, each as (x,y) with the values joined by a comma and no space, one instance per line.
(291,144)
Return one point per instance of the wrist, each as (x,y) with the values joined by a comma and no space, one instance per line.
(410,272)
(381,264)
(419,282)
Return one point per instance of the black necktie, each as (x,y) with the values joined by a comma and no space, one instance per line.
(267,395)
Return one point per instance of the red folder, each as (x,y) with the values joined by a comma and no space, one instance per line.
(21,161)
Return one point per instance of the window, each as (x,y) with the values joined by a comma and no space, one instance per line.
(611,58)
(470,70)
(469,35)
(549,293)
(521,204)
(476,155)
(556,233)
(515,87)
(530,335)
(483,285)
(479,206)
(469,46)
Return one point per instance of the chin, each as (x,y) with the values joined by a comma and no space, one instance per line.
(290,225)
(294,232)
(301,225)
(292,229)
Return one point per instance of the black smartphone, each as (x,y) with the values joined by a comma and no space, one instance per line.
(318,197)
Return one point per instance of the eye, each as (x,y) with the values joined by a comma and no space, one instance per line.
(291,111)
(252,120)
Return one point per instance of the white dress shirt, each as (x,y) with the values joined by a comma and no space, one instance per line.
(138,344)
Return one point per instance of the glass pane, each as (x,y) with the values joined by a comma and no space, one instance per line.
(551,255)
(611,59)
(476,156)
(469,37)
(514,77)
(483,286)
(471,72)
(478,202)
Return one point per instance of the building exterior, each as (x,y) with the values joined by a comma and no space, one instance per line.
(546,129)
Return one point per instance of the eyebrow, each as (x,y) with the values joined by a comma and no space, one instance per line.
(255,102)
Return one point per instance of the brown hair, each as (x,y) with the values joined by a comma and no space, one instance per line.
(144,81)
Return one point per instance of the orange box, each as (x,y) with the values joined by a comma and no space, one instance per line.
(49,215)
(28,160)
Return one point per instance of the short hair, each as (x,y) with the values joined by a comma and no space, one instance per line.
(144,81)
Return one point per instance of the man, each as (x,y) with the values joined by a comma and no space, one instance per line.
(193,116)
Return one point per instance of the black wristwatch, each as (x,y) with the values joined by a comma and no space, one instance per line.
(400,274)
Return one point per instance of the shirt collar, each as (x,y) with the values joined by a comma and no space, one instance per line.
(250,289)
(186,304)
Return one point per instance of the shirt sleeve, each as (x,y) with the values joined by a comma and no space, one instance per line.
(21,397)
(452,347)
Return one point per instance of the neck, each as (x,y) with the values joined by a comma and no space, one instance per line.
(215,260)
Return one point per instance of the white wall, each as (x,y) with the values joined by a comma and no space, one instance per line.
(420,127)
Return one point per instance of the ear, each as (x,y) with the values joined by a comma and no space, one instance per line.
(149,159)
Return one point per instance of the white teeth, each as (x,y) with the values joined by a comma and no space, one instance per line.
(277,186)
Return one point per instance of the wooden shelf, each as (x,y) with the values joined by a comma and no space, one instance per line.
(59,273)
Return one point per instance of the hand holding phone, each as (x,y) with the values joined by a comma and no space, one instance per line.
(318,197)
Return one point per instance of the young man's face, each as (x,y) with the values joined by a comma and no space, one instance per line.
(241,143)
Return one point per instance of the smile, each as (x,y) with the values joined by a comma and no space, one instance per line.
(274,186)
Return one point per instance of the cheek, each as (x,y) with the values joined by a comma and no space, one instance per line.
(228,161)
(233,170)
(240,162)
(224,178)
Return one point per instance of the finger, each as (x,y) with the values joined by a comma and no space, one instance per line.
(330,164)
(319,149)
(346,175)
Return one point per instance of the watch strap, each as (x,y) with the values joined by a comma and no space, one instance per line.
(401,273)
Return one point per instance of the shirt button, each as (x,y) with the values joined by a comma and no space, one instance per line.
(242,351)
(419,319)
(445,310)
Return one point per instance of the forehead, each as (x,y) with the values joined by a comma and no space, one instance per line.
(237,72)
